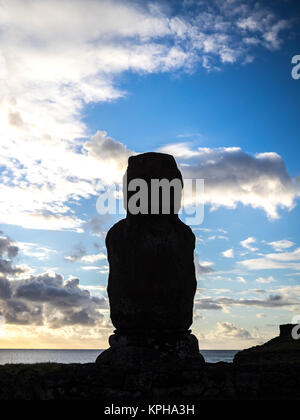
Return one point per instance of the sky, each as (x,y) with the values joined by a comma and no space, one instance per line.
(84,84)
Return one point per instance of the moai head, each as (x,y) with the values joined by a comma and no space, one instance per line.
(152,185)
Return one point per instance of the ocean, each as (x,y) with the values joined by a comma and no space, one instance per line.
(87,356)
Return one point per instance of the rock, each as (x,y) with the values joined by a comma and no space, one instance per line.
(281,349)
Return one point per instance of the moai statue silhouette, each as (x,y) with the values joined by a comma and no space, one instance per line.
(152,282)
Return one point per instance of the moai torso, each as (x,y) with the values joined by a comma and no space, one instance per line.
(152,276)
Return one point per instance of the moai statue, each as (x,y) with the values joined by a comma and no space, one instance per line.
(152,282)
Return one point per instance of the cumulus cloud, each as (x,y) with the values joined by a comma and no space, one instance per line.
(49,300)
(71,55)
(229,330)
(5,289)
(228,334)
(9,249)
(232,176)
(7,268)
(103,147)
(229,253)
(44,299)
(231,336)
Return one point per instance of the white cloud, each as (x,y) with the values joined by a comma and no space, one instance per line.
(247,244)
(268,264)
(229,253)
(202,267)
(88,258)
(187,135)
(280,245)
(94,267)
(57,56)
(94,288)
(241,279)
(286,256)
(260,316)
(232,176)
(228,330)
(271,35)
(93,257)
(35,250)
(106,148)
(282,260)
(265,280)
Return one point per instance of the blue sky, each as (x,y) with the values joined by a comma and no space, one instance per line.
(84,84)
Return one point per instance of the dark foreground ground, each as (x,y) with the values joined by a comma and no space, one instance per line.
(271,371)
(88,382)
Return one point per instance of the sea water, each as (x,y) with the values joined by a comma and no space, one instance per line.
(87,356)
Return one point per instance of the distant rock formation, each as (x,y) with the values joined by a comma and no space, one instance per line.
(152,281)
(281,349)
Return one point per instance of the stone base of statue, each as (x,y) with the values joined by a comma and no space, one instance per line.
(152,367)
(140,351)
